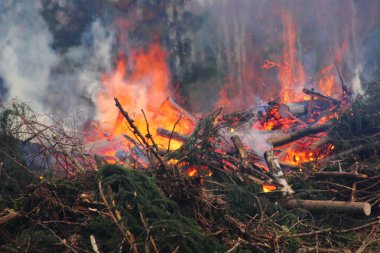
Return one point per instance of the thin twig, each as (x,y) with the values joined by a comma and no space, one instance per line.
(171,134)
(127,234)
(137,132)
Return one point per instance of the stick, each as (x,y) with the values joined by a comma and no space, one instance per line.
(171,134)
(126,233)
(94,245)
(148,135)
(181,110)
(344,87)
(320,96)
(343,154)
(258,176)
(329,205)
(337,174)
(12,214)
(137,132)
(276,170)
(290,137)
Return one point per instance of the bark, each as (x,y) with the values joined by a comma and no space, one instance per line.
(276,171)
(329,206)
(283,139)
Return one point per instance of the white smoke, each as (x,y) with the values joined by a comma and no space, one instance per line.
(26,57)
(78,77)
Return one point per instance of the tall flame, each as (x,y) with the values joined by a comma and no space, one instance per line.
(140,81)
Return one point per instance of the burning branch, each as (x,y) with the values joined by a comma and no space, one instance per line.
(138,133)
(320,96)
(283,139)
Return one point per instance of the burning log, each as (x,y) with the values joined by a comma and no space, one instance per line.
(344,154)
(276,171)
(290,137)
(329,205)
(320,96)
(285,111)
(169,102)
(171,134)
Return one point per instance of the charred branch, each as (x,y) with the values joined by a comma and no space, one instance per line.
(321,96)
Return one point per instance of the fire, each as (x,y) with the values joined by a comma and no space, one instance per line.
(140,81)
(268,187)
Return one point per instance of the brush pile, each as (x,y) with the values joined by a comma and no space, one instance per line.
(214,194)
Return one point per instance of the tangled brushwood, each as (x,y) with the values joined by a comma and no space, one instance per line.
(193,199)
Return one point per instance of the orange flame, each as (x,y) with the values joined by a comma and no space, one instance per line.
(140,82)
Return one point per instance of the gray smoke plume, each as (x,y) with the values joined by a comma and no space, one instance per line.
(52,55)
(238,35)
(53,52)
(26,57)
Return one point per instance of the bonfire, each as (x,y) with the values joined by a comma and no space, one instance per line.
(291,167)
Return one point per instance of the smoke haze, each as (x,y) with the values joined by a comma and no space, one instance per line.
(54,53)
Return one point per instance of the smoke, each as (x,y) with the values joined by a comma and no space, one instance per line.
(52,55)
(78,76)
(239,35)
(26,58)
(53,52)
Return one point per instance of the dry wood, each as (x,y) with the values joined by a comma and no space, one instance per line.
(310,106)
(181,111)
(285,112)
(171,134)
(329,206)
(320,96)
(276,170)
(11,214)
(338,174)
(321,250)
(279,140)
(348,152)
(138,133)
(258,176)
(239,147)
(126,233)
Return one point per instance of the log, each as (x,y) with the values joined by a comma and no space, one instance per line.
(338,174)
(292,108)
(320,96)
(276,170)
(171,134)
(287,111)
(329,206)
(170,103)
(239,147)
(11,215)
(344,154)
(258,176)
(283,139)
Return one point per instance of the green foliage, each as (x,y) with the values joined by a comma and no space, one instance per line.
(135,195)
(360,123)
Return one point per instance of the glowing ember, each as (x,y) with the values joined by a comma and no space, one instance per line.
(269,187)
(192,172)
